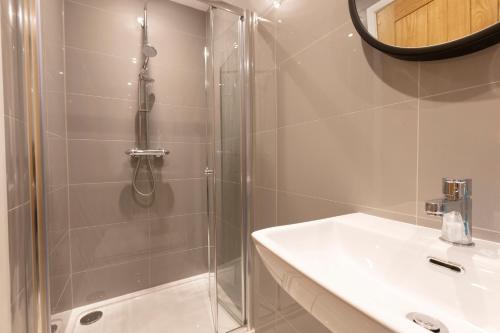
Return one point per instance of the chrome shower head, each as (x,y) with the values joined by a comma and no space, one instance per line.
(149,51)
(150,101)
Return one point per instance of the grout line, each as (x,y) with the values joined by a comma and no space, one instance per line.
(308,46)
(346,203)
(128,181)
(130,60)
(150,218)
(68,281)
(139,257)
(350,113)
(56,245)
(461,89)
(100,53)
(153,142)
(132,100)
(19,206)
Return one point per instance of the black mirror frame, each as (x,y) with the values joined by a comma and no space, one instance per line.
(472,43)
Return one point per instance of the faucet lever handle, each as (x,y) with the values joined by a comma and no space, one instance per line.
(456,189)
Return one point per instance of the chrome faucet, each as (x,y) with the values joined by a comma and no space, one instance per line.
(455,210)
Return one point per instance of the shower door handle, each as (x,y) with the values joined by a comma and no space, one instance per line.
(208,172)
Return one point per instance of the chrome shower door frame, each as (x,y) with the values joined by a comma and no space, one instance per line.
(246,69)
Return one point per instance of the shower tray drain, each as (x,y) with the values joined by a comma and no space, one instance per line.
(427,322)
(91,318)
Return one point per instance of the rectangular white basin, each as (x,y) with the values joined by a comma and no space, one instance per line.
(361,273)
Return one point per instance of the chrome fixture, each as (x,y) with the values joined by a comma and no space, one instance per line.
(456,211)
(146,102)
(148,50)
(427,322)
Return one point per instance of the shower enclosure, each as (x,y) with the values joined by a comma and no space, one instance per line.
(137,120)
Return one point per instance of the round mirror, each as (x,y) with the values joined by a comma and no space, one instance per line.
(427,29)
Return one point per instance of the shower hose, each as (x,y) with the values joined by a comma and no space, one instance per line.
(150,174)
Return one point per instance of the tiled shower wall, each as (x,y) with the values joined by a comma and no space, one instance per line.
(341,128)
(116,242)
(53,96)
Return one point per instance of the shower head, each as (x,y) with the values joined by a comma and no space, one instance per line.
(149,51)
(150,101)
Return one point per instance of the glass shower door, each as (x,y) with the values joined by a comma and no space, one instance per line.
(229,218)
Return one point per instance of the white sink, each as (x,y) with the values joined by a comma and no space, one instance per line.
(360,273)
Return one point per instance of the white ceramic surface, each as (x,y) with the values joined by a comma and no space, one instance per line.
(361,273)
(179,307)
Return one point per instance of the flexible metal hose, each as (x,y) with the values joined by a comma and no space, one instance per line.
(151,177)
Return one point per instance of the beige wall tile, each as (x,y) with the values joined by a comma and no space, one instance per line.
(91,117)
(178,124)
(264,208)
(294,208)
(55,109)
(109,244)
(179,233)
(319,17)
(366,158)
(264,160)
(95,161)
(459,133)
(97,74)
(93,29)
(339,74)
(462,72)
(186,264)
(106,203)
(97,285)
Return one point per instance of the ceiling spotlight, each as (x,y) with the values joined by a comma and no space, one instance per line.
(276,3)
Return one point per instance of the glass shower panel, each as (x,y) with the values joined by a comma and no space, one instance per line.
(228,140)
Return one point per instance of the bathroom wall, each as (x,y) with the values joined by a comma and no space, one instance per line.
(16,156)
(56,166)
(120,242)
(349,129)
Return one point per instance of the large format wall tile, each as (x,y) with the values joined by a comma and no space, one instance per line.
(319,17)
(96,285)
(57,162)
(56,113)
(109,244)
(459,135)
(178,265)
(264,160)
(178,87)
(97,74)
(462,72)
(168,16)
(178,197)
(366,158)
(94,29)
(93,161)
(91,117)
(179,233)
(178,124)
(106,203)
(339,75)
(186,160)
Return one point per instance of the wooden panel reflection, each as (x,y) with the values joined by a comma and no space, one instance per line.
(418,23)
